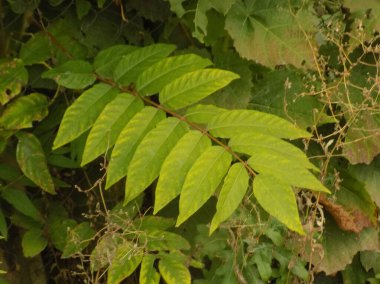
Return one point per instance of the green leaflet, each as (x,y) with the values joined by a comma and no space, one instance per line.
(173,271)
(78,238)
(194,86)
(107,59)
(235,186)
(109,124)
(124,263)
(277,198)
(176,166)
(36,50)
(19,200)
(203,114)
(268,145)
(128,140)
(148,274)
(32,161)
(73,74)
(81,115)
(150,154)
(3,226)
(286,171)
(133,64)
(13,76)
(33,242)
(162,240)
(21,112)
(234,122)
(202,180)
(153,79)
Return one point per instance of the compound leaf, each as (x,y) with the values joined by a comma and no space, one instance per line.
(277,198)
(202,180)
(109,124)
(150,154)
(153,79)
(81,115)
(133,64)
(235,186)
(128,140)
(194,86)
(234,122)
(32,161)
(177,165)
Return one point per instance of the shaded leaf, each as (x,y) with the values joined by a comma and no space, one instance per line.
(109,124)
(104,251)
(23,111)
(124,263)
(3,226)
(19,200)
(173,271)
(13,76)
(33,242)
(150,154)
(73,74)
(235,186)
(194,86)
(153,79)
(81,115)
(272,32)
(36,49)
(202,180)
(277,198)
(176,166)
(148,274)
(286,171)
(128,140)
(133,64)
(107,59)
(32,161)
(162,241)
(153,223)
(78,239)
(234,122)
(58,226)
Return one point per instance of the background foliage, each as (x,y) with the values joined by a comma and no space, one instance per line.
(189,141)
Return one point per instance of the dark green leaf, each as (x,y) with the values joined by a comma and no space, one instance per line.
(78,239)
(33,242)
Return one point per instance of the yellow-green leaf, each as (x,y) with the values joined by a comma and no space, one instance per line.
(148,274)
(173,271)
(33,242)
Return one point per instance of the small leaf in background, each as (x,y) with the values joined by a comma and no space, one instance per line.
(109,124)
(128,140)
(23,111)
(81,115)
(13,76)
(263,259)
(104,251)
(3,226)
(36,50)
(150,154)
(278,200)
(194,86)
(83,7)
(107,59)
(202,180)
(78,238)
(176,166)
(153,79)
(173,271)
(163,241)
(133,64)
(272,32)
(235,186)
(20,201)
(124,263)
(33,242)
(73,74)
(148,274)
(234,122)
(153,223)
(32,161)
